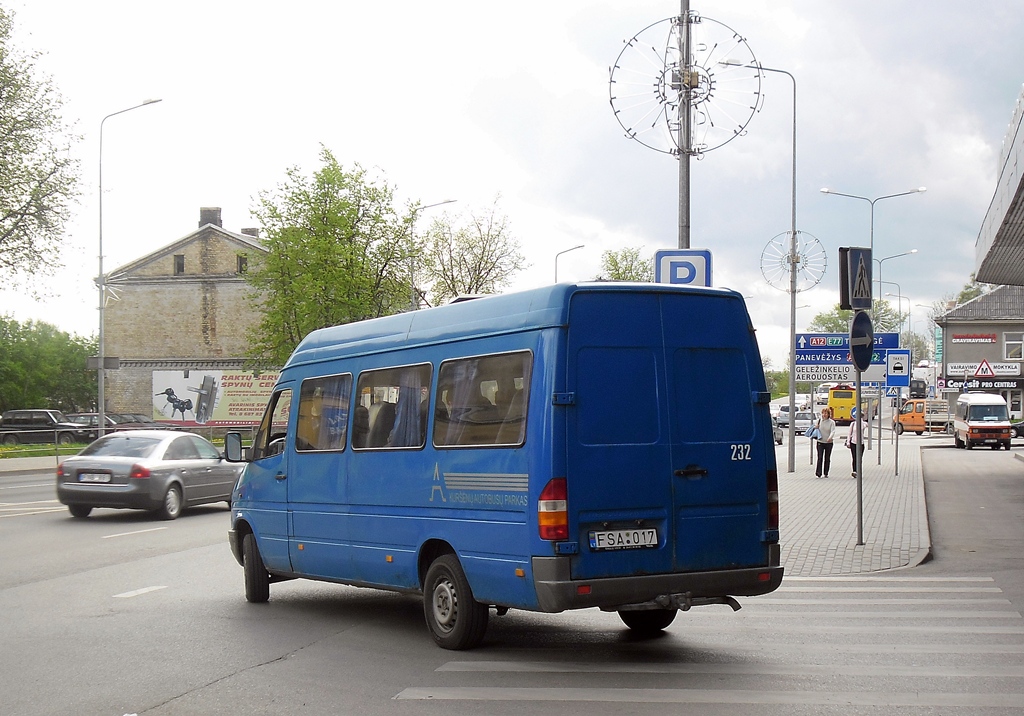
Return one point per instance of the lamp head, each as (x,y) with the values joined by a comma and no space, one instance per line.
(825,190)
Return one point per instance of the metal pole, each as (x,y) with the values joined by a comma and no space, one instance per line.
(564,252)
(414,303)
(101,417)
(684,125)
(858,459)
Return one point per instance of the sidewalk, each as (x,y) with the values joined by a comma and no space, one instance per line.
(818,517)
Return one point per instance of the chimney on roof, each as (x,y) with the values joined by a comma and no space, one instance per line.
(209,215)
(253,232)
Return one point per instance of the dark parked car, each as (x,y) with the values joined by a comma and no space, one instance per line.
(160,470)
(40,426)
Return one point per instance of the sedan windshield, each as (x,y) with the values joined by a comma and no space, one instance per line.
(123,445)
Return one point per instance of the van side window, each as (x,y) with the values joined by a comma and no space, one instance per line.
(323,413)
(482,400)
(273,428)
(391,408)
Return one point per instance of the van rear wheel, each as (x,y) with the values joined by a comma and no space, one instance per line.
(648,621)
(455,619)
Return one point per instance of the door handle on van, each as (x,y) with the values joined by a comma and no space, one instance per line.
(691,471)
(280,476)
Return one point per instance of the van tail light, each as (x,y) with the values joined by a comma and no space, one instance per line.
(138,472)
(552,511)
(773,500)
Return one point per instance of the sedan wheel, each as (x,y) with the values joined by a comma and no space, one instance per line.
(79,510)
(172,504)
(10,440)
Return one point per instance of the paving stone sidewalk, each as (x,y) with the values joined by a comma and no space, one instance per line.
(818,517)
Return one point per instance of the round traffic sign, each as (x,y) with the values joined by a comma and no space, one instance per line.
(862,340)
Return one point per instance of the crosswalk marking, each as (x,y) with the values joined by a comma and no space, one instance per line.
(854,641)
(708,696)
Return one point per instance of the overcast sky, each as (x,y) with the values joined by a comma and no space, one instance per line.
(469,100)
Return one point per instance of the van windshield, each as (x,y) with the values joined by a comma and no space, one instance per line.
(988,413)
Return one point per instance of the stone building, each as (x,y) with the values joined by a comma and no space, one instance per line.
(180,318)
(983,346)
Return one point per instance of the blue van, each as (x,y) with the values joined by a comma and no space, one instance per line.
(595,445)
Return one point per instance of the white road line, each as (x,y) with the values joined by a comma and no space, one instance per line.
(137,592)
(40,511)
(833,615)
(545,667)
(30,502)
(887,590)
(853,578)
(25,487)
(135,532)
(756,697)
(754,603)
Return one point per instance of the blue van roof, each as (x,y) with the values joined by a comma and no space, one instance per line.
(544,307)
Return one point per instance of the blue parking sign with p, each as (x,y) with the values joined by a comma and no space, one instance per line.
(684,267)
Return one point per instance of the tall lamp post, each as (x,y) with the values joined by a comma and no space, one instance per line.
(101,417)
(871,246)
(880,262)
(900,297)
(414,302)
(580,246)
(794,261)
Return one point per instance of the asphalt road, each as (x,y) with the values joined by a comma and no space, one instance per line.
(120,614)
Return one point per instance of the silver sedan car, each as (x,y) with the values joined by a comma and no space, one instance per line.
(160,470)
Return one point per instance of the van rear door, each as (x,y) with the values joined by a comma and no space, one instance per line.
(662,434)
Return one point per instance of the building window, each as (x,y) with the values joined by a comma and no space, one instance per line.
(179,264)
(243,263)
(1013,346)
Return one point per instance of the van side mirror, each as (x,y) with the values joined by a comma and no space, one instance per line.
(233,451)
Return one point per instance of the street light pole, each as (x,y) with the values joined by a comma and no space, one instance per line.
(101,417)
(910,368)
(564,252)
(414,302)
(871,246)
(794,260)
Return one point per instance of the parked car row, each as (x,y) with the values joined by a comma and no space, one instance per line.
(41,426)
(120,421)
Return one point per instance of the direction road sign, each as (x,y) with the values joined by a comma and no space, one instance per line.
(688,267)
(838,373)
(842,340)
(832,357)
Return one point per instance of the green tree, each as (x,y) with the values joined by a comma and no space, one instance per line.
(338,251)
(478,255)
(625,265)
(38,177)
(884,317)
(44,367)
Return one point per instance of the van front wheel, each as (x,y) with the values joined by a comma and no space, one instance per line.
(455,619)
(648,621)
(257,580)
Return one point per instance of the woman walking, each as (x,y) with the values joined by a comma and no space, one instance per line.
(827,427)
(855,441)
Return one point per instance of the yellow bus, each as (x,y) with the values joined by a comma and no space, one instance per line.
(842,399)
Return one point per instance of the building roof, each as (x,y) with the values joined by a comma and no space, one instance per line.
(1000,244)
(1000,304)
(245,241)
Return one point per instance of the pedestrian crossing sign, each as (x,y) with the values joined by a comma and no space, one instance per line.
(855,278)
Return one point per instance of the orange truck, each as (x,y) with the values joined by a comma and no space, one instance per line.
(919,415)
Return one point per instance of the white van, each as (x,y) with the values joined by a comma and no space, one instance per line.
(981,419)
